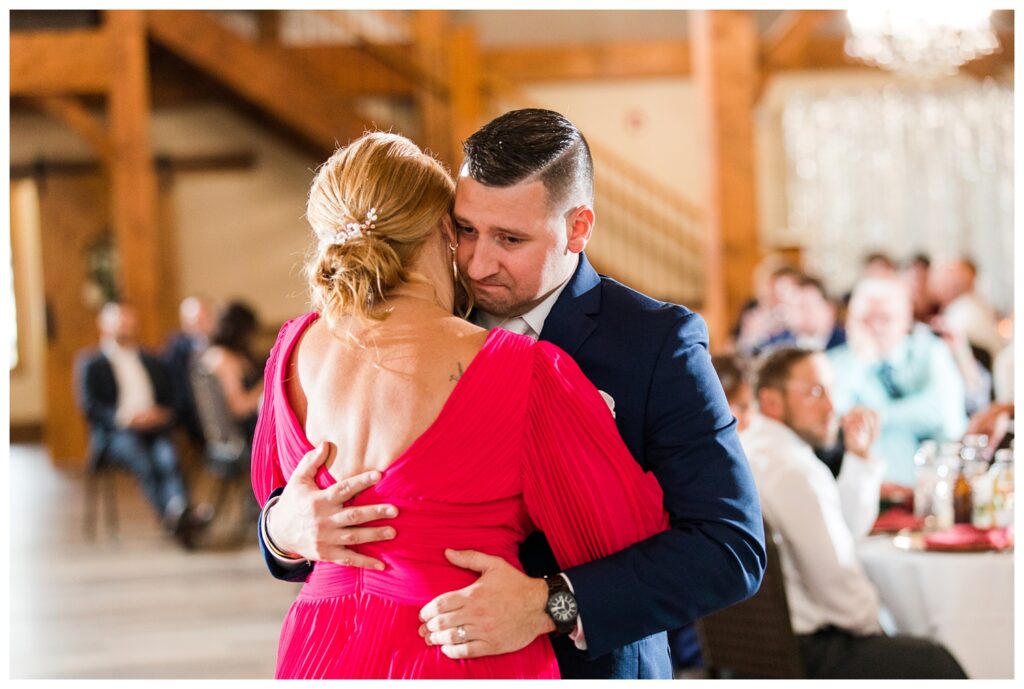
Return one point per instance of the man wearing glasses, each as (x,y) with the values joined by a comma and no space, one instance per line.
(833,606)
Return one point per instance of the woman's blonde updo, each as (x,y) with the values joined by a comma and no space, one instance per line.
(410,193)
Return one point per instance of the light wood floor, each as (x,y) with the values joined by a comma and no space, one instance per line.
(135,607)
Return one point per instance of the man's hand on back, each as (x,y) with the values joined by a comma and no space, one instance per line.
(315,524)
(502,612)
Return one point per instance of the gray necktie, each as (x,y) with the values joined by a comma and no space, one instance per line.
(520,326)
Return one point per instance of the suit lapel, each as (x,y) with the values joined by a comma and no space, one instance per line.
(569,324)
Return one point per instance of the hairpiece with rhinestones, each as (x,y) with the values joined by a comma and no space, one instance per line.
(353,230)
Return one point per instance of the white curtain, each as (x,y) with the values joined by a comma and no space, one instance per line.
(903,169)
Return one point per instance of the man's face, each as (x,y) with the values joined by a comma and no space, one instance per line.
(513,248)
(807,402)
(809,313)
(877,323)
(121,324)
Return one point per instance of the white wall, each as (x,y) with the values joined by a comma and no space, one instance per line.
(28,402)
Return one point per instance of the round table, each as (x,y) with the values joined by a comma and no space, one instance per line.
(962,600)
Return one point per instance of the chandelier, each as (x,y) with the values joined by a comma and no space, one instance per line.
(928,42)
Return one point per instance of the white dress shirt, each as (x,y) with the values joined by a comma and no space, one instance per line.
(819,517)
(134,389)
(530,323)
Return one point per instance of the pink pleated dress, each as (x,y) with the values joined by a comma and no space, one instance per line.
(524,442)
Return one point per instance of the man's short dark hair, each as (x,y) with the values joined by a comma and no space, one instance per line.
(732,373)
(532,143)
(774,369)
(786,271)
(879,257)
(814,283)
(920,260)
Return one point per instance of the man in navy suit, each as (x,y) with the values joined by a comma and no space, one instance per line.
(126,396)
(183,349)
(524,212)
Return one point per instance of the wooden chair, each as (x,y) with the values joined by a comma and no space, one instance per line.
(754,639)
(228,452)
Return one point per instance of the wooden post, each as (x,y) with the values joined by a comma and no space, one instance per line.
(466,87)
(726,69)
(133,182)
(429,38)
(269,25)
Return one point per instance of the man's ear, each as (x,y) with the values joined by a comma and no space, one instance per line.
(770,403)
(580,224)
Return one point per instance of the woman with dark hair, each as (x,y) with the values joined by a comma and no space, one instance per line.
(231,360)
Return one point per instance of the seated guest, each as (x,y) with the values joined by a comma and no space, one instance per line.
(809,318)
(230,358)
(963,310)
(732,373)
(763,317)
(126,396)
(833,605)
(916,274)
(196,315)
(902,371)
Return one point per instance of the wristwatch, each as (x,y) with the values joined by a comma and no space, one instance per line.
(561,605)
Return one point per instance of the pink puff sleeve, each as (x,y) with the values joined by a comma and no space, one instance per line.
(266,464)
(581,486)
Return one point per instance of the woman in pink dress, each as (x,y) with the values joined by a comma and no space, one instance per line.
(480,437)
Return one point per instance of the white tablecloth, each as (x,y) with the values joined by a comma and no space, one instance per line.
(962,600)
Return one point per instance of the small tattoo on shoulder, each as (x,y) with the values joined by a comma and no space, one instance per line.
(456,376)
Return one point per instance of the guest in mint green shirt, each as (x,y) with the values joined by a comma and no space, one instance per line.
(902,371)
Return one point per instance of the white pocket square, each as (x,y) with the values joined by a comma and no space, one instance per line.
(609,400)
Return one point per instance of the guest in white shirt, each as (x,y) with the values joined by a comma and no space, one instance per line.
(126,396)
(833,606)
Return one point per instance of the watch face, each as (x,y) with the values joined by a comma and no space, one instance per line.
(562,606)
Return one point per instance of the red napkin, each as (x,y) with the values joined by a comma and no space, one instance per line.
(966,537)
(896,519)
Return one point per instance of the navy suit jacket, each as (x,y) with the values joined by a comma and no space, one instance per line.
(177,358)
(652,358)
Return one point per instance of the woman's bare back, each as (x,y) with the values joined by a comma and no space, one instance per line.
(374,395)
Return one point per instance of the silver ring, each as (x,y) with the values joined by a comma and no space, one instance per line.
(460,631)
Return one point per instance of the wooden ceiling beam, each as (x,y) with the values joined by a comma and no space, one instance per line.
(605,60)
(45,63)
(271,80)
(355,73)
(785,40)
(73,113)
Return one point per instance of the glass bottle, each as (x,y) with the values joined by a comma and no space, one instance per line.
(1002,488)
(925,477)
(962,506)
(946,471)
